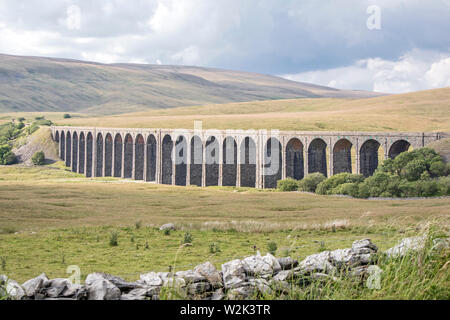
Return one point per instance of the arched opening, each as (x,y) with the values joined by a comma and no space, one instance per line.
(196,161)
(229,166)
(295,166)
(180,161)
(57,136)
(167,148)
(75,152)
(342,157)
(108,155)
(398,147)
(99,156)
(62,147)
(368,157)
(139,158)
(128,163)
(151,158)
(118,150)
(89,154)
(82,154)
(68,150)
(272,162)
(212,159)
(317,157)
(248,163)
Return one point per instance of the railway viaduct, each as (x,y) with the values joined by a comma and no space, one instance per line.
(227,157)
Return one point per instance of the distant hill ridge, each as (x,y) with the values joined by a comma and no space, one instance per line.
(50,84)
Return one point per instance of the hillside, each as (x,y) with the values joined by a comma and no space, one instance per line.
(47,84)
(418,111)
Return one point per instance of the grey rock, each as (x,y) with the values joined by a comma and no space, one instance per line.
(151,279)
(208,271)
(63,288)
(318,262)
(413,244)
(141,294)
(11,288)
(174,282)
(218,295)
(287,263)
(33,286)
(117,281)
(190,276)
(284,275)
(102,289)
(262,266)
(168,226)
(198,288)
(233,274)
(244,292)
(261,285)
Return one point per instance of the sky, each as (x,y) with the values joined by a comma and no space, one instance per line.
(390,46)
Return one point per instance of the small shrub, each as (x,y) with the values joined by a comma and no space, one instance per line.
(67,116)
(187,238)
(287,185)
(21,119)
(3,262)
(138,224)
(327,186)
(132,238)
(444,186)
(147,247)
(272,247)
(214,248)
(113,239)
(167,232)
(7,157)
(311,181)
(39,118)
(38,158)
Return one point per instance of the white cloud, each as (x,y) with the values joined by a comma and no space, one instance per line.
(416,70)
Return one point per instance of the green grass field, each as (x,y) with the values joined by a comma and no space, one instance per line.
(51,218)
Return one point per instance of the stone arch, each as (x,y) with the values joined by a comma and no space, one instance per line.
(196,161)
(167,149)
(295,167)
(180,161)
(248,163)
(317,157)
(81,153)
(272,162)
(151,158)
(229,167)
(212,159)
(139,158)
(75,152)
(368,157)
(108,155)
(89,154)
(128,156)
(342,156)
(62,146)
(398,147)
(68,150)
(57,136)
(99,156)
(118,150)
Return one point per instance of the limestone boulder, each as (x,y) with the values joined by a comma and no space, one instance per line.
(34,286)
(318,262)
(102,289)
(261,266)
(168,226)
(120,283)
(233,274)
(412,244)
(10,289)
(190,276)
(210,272)
(151,279)
(287,263)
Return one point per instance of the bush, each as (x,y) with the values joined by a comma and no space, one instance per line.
(7,157)
(444,186)
(67,116)
(114,239)
(214,248)
(272,247)
(348,189)
(327,186)
(38,158)
(21,119)
(187,238)
(287,185)
(311,181)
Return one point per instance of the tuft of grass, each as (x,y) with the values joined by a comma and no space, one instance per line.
(272,247)
(138,224)
(114,238)
(3,263)
(214,248)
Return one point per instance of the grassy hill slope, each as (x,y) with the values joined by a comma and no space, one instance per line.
(47,84)
(418,111)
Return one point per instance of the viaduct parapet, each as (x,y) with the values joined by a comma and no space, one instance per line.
(241,158)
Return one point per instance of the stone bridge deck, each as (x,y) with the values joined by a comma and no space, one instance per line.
(256,158)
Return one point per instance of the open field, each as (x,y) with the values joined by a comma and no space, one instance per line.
(419,111)
(51,218)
